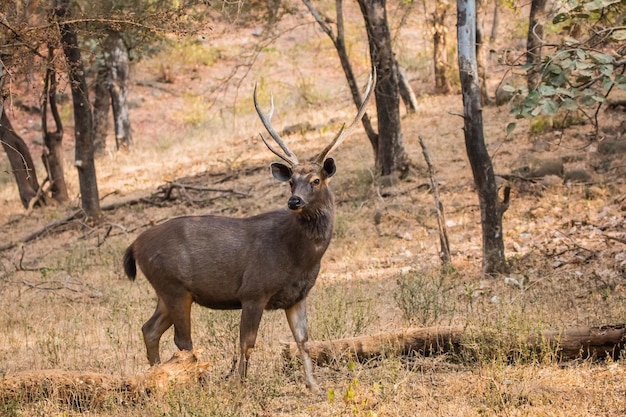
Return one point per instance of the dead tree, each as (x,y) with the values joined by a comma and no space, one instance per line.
(566,344)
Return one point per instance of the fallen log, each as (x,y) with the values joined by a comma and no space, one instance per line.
(569,343)
(86,390)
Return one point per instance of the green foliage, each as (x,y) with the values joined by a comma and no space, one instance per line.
(579,72)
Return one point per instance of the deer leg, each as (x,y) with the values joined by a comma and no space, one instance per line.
(153,329)
(181,317)
(296,316)
(250,319)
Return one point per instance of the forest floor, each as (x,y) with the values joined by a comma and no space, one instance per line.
(66,306)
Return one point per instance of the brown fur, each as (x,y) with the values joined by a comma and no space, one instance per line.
(267,261)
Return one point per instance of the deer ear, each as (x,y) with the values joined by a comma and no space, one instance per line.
(329,167)
(281,171)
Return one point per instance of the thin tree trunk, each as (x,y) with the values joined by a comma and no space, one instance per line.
(118,88)
(83,123)
(481,53)
(112,87)
(340,45)
(406,92)
(20,159)
(484,179)
(101,105)
(52,155)
(19,156)
(391,156)
(535,41)
(440,51)
(495,23)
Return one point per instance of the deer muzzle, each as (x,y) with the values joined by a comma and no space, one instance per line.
(295,203)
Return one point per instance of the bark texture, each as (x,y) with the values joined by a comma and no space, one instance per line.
(484,178)
(20,159)
(83,123)
(440,49)
(535,41)
(390,156)
(52,155)
(112,87)
(569,343)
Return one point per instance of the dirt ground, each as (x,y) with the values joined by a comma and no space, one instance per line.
(67,306)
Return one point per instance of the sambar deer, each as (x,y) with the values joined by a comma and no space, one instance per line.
(264,262)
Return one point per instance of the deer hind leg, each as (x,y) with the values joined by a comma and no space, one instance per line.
(250,319)
(296,316)
(180,314)
(153,329)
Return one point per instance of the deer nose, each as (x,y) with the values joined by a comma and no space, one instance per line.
(295,203)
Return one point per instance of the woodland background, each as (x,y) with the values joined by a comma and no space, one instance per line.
(68,310)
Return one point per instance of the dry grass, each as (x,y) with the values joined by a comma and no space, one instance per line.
(65,304)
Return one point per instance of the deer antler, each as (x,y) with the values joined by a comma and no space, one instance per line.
(345,132)
(288,156)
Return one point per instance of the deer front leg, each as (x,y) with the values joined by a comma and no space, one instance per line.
(250,319)
(296,316)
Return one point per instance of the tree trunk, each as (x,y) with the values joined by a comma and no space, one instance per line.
(112,86)
(83,123)
(118,88)
(481,53)
(406,92)
(340,45)
(535,42)
(93,390)
(391,156)
(495,23)
(484,179)
(440,51)
(20,159)
(52,155)
(570,343)
(101,105)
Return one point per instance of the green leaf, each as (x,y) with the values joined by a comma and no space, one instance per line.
(602,58)
(560,18)
(569,104)
(547,90)
(555,69)
(565,92)
(532,97)
(598,98)
(510,128)
(607,83)
(606,69)
(549,106)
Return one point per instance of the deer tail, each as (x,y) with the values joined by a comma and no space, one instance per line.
(129,263)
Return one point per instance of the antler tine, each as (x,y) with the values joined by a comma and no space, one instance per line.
(345,132)
(288,156)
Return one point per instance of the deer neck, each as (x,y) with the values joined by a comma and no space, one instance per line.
(317,222)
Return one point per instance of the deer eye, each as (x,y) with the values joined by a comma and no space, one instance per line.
(316,181)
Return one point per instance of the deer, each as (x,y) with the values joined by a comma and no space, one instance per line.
(263,262)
